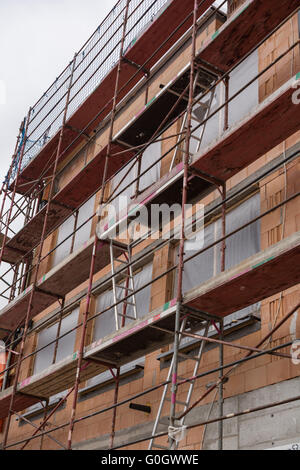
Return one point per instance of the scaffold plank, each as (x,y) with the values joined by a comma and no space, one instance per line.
(58,282)
(268,272)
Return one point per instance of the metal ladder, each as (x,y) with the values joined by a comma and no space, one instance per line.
(124,289)
(161,422)
(199,139)
(207,108)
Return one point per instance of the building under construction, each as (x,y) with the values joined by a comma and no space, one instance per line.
(122,333)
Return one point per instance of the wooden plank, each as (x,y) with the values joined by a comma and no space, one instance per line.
(14,312)
(30,235)
(59,281)
(55,379)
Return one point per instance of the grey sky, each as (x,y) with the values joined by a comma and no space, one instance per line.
(38,38)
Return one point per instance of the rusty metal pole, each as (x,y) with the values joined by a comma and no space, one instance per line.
(31,299)
(186,157)
(43,428)
(42,425)
(221,389)
(116,395)
(117,376)
(95,247)
(58,331)
(226,109)
(221,334)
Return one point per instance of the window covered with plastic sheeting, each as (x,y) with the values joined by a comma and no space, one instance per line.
(128,177)
(105,323)
(238,108)
(239,247)
(64,244)
(205,134)
(45,358)
(247,100)
(202,267)
(150,156)
(121,194)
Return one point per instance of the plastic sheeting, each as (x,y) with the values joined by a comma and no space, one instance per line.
(239,246)
(243,104)
(44,358)
(213,127)
(238,108)
(150,156)
(67,228)
(105,323)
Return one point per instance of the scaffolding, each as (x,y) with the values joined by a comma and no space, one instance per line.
(129,49)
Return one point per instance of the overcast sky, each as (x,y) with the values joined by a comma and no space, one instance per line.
(38,38)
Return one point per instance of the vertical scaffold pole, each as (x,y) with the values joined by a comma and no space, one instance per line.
(221,334)
(95,247)
(39,257)
(182,236)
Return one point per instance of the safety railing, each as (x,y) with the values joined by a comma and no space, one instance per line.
(92,63)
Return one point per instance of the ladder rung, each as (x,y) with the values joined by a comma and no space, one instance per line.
(129,303)
(196,138)
(198,120)
(121,245)
(126,316)
(158,446)
(123,287)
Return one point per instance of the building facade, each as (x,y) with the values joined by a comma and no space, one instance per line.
(175,334)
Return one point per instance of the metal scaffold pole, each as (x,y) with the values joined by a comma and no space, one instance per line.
(186,157)
(96,242)
(221,323)
(39,257)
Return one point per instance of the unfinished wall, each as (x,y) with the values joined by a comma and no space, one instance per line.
(262,380)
